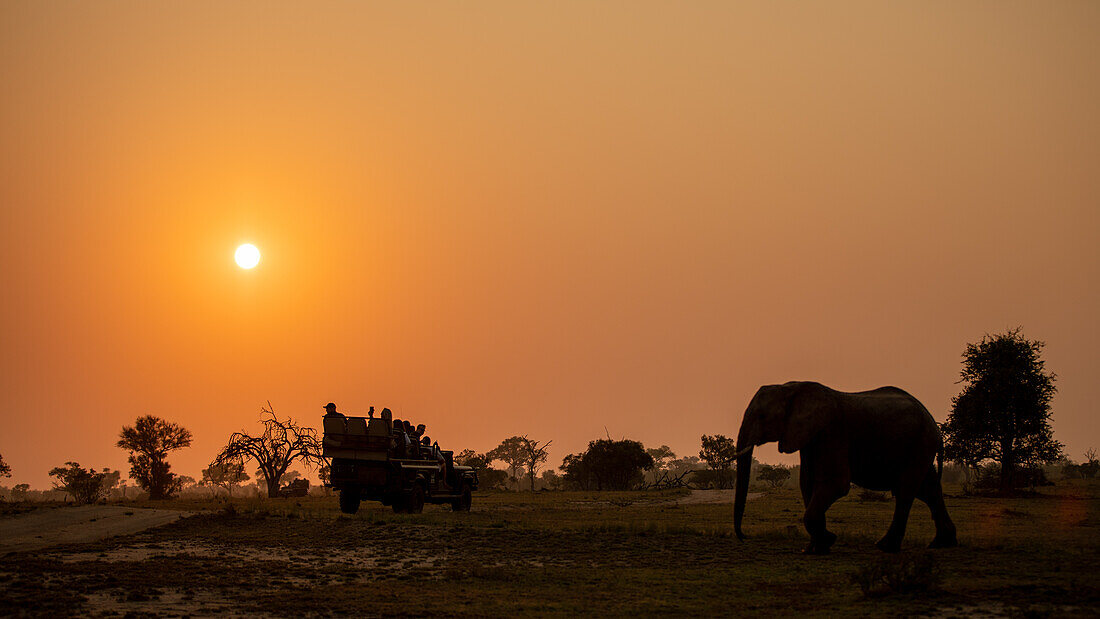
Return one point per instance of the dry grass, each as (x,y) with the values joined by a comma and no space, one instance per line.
(569,553)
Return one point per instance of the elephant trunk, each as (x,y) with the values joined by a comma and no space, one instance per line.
(744,465)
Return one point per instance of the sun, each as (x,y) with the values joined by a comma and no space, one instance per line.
(247,256)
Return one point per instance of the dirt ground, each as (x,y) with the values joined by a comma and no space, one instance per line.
(651,553)
(43,528)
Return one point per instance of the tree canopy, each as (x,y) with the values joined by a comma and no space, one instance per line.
(521,452)
(486,475)
(5,469)
(1003,412)
(511,451)
(149,440)
(84,485)
(227,475)
(719,452)
(607,465)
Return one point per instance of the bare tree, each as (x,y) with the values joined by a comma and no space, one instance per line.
(534,456)
(281,443)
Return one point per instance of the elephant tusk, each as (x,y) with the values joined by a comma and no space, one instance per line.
(744,451)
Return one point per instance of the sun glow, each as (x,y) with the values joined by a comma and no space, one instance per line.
(247,256)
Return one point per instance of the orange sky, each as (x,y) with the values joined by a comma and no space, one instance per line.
(537,218)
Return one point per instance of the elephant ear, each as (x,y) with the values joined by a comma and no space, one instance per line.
(809,411)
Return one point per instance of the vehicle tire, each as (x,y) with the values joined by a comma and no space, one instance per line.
(465,498)
(400,505)
(416,499)
(349,500)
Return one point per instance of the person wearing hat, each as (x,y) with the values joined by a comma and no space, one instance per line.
(330,411)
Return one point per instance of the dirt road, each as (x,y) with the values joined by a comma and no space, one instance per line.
(43,528)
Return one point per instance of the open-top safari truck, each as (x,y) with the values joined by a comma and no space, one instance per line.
(377,459)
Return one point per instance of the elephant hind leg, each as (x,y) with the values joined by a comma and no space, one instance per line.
(908,487)
(931,492)
(891,542)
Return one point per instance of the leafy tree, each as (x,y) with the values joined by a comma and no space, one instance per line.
(662,456)
(577,473)
(149,441)
(719,452)
(84,485)
(227,475)
(608,465)
(19,492)
(511,451)
(551,480)
(5,469)
(1003,412)
(680,466)
(486,475)
(111,480)
(774,475)
(281,444)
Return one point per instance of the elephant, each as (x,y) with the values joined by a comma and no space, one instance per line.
(883,439)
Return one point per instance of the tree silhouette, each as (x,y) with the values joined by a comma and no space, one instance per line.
(227,476)
(608,464)
(149,441)
(1003,412)
(5,469)
(662,456)
(19,492)
(513,452)
(486,475)
(774,475)
(719,452)
(280,444)
(84,485)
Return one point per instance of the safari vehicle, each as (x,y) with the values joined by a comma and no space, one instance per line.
(377,460)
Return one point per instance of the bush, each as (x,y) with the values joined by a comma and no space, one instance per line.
(871,495)
(85,485)
(775,476)
(898,574)
(987,479)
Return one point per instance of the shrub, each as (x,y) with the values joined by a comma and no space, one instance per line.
(85,485)
(871,495)
(898,574)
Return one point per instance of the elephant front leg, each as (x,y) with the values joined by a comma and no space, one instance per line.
(821,539)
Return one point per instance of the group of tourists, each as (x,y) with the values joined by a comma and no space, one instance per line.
(410,435)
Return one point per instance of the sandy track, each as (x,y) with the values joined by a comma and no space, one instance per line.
(43,528)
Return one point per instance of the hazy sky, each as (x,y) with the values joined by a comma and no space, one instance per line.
(563,219)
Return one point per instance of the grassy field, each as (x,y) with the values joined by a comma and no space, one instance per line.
(568,553)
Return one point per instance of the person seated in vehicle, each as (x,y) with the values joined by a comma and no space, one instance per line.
(419,431)
(330,412)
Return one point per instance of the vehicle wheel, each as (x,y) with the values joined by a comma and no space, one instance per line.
(399,506)
(462,503)
(349,500)
(416,499)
